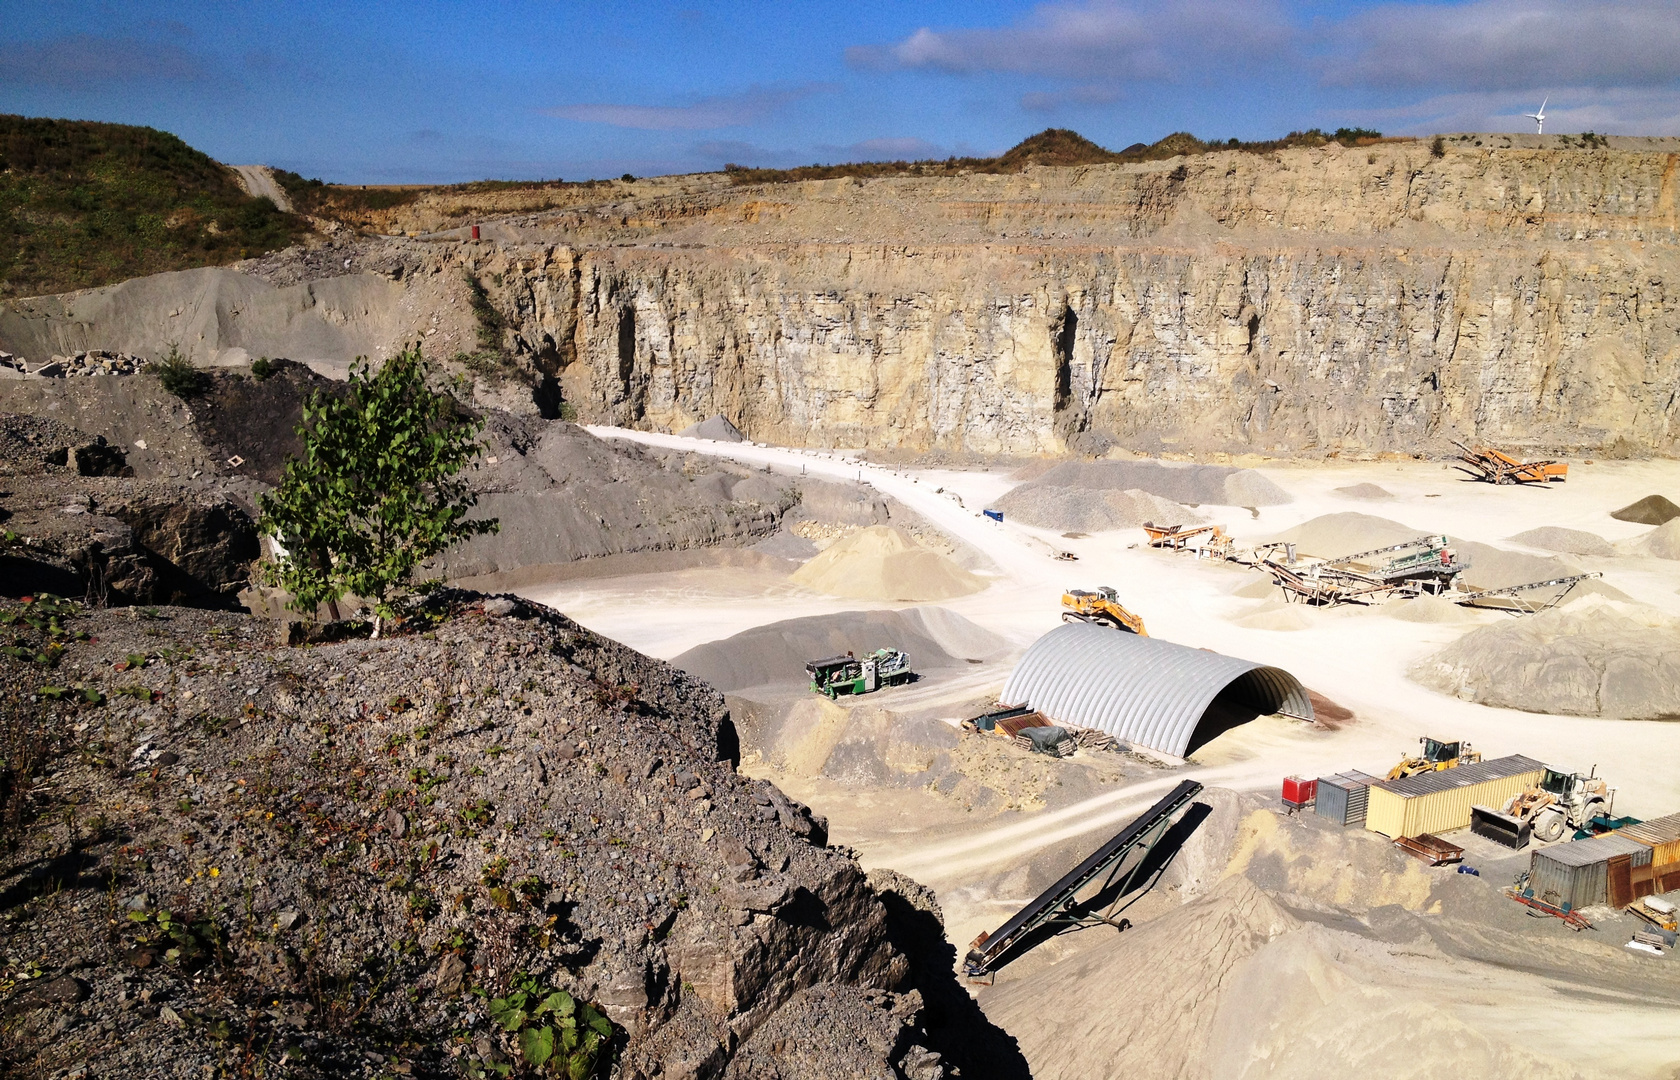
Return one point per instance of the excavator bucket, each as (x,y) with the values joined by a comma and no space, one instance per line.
(1499,827)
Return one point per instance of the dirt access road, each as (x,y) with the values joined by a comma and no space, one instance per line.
(258,182)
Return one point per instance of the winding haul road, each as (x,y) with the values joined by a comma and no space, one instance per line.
(258,182)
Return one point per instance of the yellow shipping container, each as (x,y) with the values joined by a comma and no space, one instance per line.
(1661,835)
(1437,802)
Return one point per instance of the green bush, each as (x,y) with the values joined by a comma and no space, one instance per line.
(262,367)
(178,375)
(555,1034)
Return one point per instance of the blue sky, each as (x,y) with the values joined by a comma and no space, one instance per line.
(385,92)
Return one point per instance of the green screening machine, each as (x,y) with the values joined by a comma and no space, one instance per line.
(853,675)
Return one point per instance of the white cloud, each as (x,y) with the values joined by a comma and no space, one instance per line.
(729,110)
(1103,40)
(1508,45)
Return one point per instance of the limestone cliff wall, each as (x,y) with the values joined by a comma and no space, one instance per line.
(1302,302)
(1307,301)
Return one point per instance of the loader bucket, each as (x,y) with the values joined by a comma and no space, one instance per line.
(1500,828)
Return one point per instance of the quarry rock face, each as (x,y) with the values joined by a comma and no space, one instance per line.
(1304,301)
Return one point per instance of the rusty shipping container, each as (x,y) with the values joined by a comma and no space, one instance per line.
(1437,802)
(1662,836)
(1598,870)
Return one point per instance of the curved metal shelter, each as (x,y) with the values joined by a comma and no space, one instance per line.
(1143,689)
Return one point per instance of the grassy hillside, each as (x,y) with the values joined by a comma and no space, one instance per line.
(85,204)
(1053,146)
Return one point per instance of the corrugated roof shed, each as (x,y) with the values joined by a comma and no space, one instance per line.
(1656,832)
(1595,849)
(1141,689)
(1463,776)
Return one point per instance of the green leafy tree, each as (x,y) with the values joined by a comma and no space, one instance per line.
(377,492)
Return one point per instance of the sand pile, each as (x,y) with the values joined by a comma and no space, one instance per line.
(776,653)
(1277,614)
(1364,491)
(1191,484)
(1662,541)
(883,563)
(1595,657)
(1428,609)
(1256,587)
(718,429)
(1651,510)
(1065,1016)
(1568,541)
(1075,509)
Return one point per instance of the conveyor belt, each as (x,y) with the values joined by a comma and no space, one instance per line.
(1055,903)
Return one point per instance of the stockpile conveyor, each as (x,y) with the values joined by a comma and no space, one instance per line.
(1056,904)
(1510,598)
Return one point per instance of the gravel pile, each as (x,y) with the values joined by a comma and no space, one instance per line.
(1364,491)
(1595,657)
(1568,541)
(718,429)
(1651,510)
(1662,541)
(883,563)
(1193,485)
(1077,509)
(358,842)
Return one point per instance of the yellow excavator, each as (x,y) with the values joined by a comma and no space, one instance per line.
(1437,755)
(1102,607)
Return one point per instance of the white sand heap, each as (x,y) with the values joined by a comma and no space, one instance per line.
(1662,541)
(882,563)
(1568,541)
(1596,657)
(1075,509)
(718,429)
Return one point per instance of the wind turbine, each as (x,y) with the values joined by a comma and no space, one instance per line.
(1539,118)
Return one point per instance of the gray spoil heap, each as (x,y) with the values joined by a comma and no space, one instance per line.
(358,843)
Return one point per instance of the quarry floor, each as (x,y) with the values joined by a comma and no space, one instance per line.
(984,865)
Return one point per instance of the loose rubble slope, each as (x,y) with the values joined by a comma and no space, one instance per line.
(349,841)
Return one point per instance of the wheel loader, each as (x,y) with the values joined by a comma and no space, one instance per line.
(1560,801)
(1437,755)
(1102,607)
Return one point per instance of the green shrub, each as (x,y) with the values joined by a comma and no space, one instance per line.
(178,375)
(262,367)
(555,1034)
